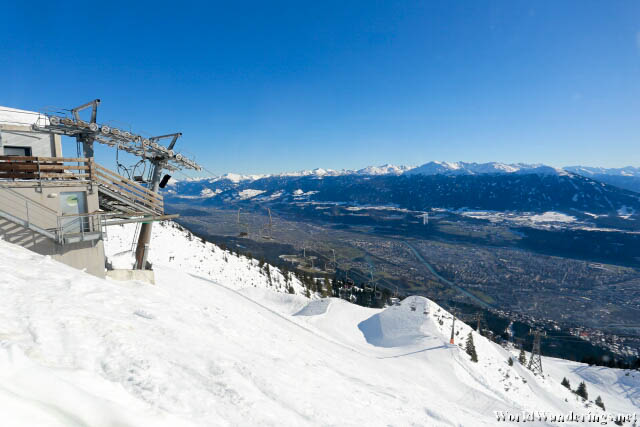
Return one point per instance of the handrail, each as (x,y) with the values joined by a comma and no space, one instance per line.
(54,171)
(102,178)
(44,220)
(129,182)
(129,197)
(46,159)
(29,213)
(26,199)
(37,168)
(80,225)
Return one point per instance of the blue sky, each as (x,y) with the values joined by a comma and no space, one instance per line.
(260,87)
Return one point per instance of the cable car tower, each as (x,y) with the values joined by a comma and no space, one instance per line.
(535,363)
(148,149)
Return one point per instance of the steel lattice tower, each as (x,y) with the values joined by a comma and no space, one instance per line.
(535,362)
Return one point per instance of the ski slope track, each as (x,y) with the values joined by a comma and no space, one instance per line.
(216,342)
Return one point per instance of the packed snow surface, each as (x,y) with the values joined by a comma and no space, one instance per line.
(206,347)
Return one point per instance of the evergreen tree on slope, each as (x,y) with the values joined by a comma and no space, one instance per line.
(471,348)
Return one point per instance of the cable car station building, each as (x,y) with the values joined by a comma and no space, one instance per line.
(60,206)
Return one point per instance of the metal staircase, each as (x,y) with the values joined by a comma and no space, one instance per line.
(21,210)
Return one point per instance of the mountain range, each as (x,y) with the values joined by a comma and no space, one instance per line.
(447,168)
(488,186)
(430,168)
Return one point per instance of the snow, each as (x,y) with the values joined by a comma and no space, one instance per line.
(177,248)
(393,208)
(552,217)
(626,212)
(590,171)
(386,169)
(314,308)
(300,194)
(249,194)
(207,192)
(236,178)
(543,220)
(396,327)
(434,168)
(464,168)
(273,196)
(213,344)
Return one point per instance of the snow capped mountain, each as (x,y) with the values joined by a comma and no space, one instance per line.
(463,168)
(430,168)
(386,169)
(320,172)
(538,189)
(590,171)
(233,177)
(436,168)
(627,177)
(213,343)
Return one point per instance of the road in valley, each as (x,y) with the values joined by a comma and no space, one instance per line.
(463,291)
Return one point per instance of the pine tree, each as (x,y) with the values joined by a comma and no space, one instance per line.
(510,362)
(522,358)
(582,391)
(267,271)
(600,403)
(328,286)
(471,348)
(565,382)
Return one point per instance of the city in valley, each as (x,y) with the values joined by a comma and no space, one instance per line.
(452,258)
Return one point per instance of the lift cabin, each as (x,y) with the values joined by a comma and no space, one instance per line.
(61,206)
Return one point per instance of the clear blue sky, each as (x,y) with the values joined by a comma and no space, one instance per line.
(276,86)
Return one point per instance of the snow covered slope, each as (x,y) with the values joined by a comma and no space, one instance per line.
(81,351)
(175,247)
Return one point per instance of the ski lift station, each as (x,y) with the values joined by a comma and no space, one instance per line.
(60,205)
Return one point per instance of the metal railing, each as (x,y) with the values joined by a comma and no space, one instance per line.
(22,210)
(80,227)
(30,214)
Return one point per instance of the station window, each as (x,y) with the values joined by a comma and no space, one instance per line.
(17,151)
